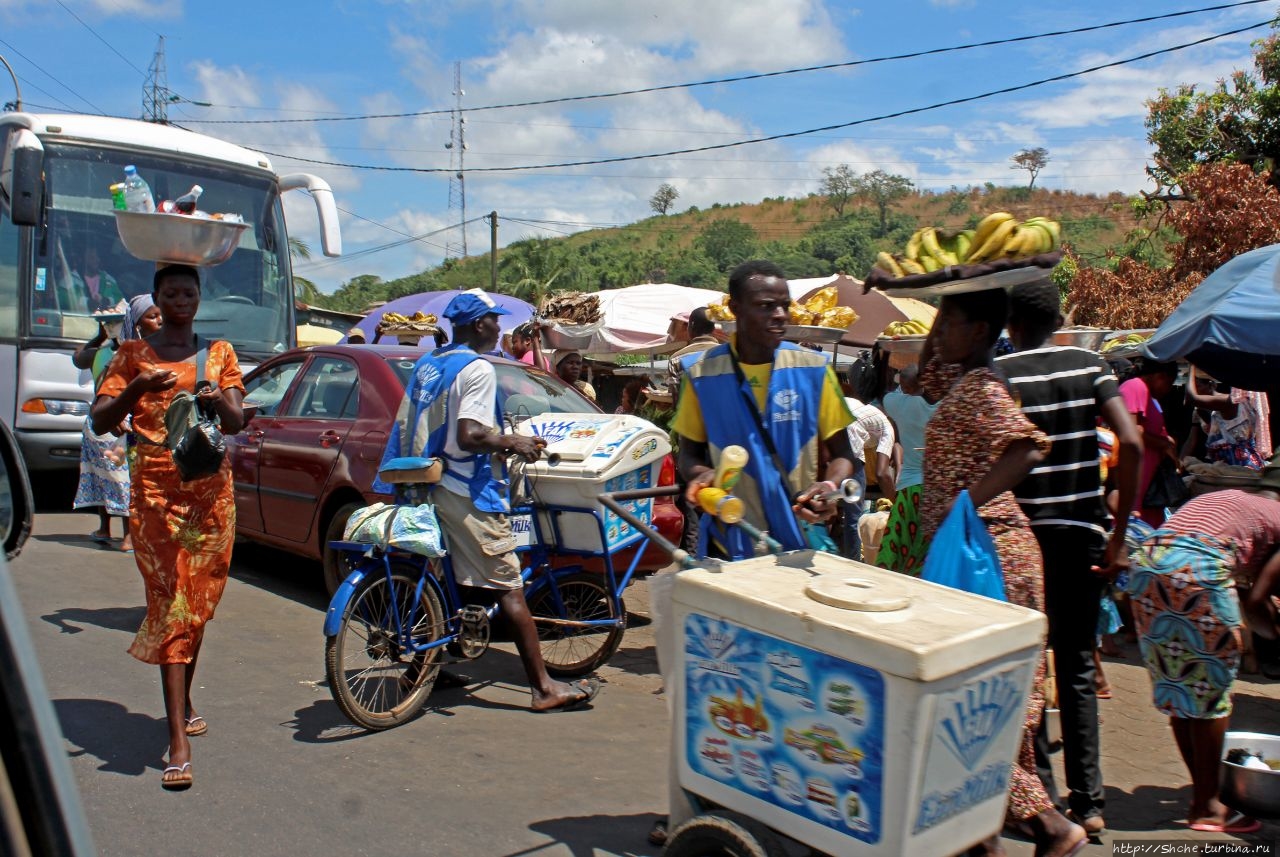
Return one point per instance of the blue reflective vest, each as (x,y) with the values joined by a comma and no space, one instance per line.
(420,427)
(791,418)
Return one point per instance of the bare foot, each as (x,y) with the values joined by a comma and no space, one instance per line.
(127,544)
(1059,837)
(563,696)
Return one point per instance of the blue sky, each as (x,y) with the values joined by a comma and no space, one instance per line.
(289,60)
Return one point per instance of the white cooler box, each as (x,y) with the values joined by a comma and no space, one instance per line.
(598,454)
(886,726)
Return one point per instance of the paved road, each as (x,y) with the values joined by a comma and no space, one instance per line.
(281,773)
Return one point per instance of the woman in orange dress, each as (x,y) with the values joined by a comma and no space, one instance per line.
(182,531)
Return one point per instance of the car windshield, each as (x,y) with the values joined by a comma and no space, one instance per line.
(82,267)
(523,390)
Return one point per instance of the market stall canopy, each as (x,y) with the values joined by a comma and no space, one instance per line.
(314,334)
(1230,325)
(875,310)
(433,303)
(635,318)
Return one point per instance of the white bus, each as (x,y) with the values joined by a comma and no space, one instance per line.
(61,257)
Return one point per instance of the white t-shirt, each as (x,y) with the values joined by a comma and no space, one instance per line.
(869,425)
(472,396)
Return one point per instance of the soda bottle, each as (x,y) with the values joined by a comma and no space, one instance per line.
(186,204)
(137,193)
(117,196)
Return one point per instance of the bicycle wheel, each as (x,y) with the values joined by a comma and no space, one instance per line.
(570,651)
(374,684)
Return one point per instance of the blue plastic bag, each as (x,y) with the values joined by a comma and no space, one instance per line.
(962,554)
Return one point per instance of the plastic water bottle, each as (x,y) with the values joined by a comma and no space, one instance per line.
(137,193)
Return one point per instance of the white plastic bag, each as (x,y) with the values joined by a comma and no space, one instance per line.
(408,528)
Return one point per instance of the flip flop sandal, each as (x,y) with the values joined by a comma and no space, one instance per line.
(196,726)
(178,783)
(588,687)
(1238,824)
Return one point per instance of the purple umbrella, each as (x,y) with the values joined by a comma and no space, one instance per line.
(435,302)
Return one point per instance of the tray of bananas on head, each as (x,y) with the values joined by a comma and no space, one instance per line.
(1000,252)
(905,336)
(393,323)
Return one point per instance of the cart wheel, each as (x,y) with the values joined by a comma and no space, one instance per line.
(723,834)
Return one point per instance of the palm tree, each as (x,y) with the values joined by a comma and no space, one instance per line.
(302,287)
(531,269)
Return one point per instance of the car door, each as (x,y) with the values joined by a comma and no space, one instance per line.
(267,390)
(301,446)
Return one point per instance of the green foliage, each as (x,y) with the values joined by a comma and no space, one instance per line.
(957,202)
(1236,121)
(1031,160)
(663,198)
(838,185)
(726,242)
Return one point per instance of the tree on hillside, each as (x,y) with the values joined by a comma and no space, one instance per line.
(663,198)
(356,294)
(1031,160)
(882,190)
(838,185)
(726,242)
(1236,121)
(533,268)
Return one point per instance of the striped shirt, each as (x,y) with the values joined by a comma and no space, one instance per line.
(1251,524)
(1061,389)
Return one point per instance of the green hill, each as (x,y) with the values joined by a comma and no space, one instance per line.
(698,247)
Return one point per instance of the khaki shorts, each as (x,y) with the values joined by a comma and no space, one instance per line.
(481,544)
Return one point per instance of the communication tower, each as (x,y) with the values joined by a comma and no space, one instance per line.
(457,147)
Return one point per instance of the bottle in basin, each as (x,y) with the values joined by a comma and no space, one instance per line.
(137,193)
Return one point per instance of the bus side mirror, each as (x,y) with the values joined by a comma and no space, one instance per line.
(22,178)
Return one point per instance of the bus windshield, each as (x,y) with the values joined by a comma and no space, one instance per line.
(82,268)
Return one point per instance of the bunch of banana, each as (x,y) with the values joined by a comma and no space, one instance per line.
(719,311)
(1127,341)
(914,327)
(997,236)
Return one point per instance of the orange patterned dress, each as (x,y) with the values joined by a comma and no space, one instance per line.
(182,531)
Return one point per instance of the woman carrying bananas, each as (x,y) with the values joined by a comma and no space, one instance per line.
(979,440)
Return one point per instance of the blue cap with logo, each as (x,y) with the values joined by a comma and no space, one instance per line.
(471,305)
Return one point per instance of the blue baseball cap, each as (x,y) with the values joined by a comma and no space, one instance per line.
(471,305)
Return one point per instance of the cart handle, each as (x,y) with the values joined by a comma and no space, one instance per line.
(678,554)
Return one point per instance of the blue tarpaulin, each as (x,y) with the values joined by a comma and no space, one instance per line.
(1230,325)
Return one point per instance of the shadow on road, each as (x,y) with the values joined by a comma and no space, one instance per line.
(1148,807)
(279,573)
(582,835)
(68,619)
(322,722)
(85,542)
(126,742)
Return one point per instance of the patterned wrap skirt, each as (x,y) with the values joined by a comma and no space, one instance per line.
(1188,621)
(903,546)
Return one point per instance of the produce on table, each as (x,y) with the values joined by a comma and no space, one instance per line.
(914,327)
(819,310)
(997,236)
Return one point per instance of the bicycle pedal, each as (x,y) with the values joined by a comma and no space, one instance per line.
(473,635)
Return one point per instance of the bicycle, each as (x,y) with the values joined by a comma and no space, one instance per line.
(396,614)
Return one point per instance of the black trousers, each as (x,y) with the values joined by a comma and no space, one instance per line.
(1072,594)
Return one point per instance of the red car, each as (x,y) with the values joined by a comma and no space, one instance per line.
(309,455)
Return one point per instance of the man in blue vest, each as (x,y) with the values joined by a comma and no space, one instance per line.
(779,401)
(451,411)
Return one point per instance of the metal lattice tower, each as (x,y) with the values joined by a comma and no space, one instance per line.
(457,147)
(155,89)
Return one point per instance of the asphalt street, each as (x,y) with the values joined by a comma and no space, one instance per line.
(281,772)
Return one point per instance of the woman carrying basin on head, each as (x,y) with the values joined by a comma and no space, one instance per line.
(182,531)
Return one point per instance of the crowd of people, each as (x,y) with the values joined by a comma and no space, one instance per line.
(1019,433)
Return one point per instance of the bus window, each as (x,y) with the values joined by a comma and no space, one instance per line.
(8,277)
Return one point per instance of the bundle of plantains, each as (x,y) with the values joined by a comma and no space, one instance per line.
(571,308)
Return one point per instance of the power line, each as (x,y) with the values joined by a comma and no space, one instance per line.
(790,134)
(740,78)
(369,251)
(51,77)
(99,38)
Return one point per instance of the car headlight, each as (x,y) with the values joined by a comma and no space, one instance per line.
(56,407)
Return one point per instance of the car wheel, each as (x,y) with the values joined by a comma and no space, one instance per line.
(336,564)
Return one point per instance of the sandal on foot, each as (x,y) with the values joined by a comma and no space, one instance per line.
(587,690)
(1238,823)
(180,782)
(658,833)
(196,726)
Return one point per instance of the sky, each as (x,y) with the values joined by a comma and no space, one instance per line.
(340,60)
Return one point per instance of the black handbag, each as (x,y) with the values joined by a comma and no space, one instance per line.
(1167,489)
(192,430)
